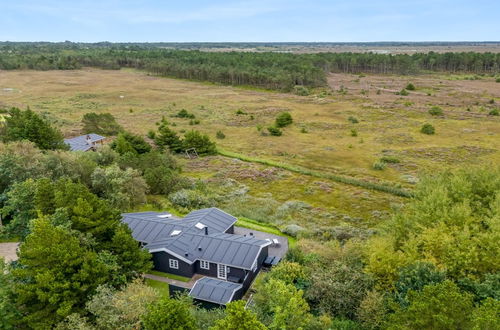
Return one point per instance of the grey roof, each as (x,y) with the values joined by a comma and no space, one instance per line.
(148,227)
(214,218)
(184,237)
(213,290)
(228,249)
(79,143)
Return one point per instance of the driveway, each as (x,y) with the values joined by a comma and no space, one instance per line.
(274,250)
(8,251)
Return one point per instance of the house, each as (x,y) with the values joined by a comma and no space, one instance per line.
(85,142)
(202,243)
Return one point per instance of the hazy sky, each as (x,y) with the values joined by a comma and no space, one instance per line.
(260,20)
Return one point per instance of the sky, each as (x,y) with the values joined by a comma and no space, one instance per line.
(251,21)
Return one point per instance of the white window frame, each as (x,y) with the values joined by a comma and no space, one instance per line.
(222,271)
(173,263)
(204,265)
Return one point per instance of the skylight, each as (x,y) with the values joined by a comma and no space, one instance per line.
(199,225)
(175,232)
(168,215)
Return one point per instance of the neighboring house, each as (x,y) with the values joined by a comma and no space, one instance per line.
(85,142)
(201,243)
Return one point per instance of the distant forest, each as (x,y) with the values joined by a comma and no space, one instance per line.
(270,70)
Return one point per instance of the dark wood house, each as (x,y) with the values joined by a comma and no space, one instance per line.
(201,243)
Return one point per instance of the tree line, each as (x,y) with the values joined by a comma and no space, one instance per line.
(269,70)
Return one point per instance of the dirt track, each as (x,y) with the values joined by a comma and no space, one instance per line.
(8,251)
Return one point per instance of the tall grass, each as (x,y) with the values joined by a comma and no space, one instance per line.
(338,178)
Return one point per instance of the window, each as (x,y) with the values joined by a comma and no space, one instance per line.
(222,271)
(172,263)
(204,264)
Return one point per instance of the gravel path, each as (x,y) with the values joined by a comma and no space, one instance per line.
(8,251)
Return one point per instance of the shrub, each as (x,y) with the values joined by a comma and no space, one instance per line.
(151,134)
(293,230)
(167,138)
(354,132)
(301,90)
(379,166)
(353,120)
(191,199)
(28,125)
(274,131)
(492,101)
(185,114)
(200,142)
(403,92)
(410,87)
(240,112)
(436,111)
(220,135)
(102,123)
(428,129)
(284,119)
(127,142)
(494,112)
(497,80)
(303,130)
(389,159)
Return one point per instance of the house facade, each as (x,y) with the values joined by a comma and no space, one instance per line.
(201,243)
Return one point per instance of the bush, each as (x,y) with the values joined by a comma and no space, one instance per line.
(28,125)
(389,159)
(130,142)
(200,142)
(403,92)
(151,134)
(301,90)
(293,230)
(354,132)
(379,166)
(428,129)
(102,123)
(191,199)
(220,135)
(494,112)
(240,112)
(410,87)
(353,120)
(303,130)
(284,119)
(185,114)
(436,111)
(497,80)
(274,131)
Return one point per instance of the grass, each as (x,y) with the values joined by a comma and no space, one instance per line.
(171,276)
(267,228)
(9,240)
(326,167)
(333,177)
(161,287)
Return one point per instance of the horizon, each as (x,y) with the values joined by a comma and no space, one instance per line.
(273,21)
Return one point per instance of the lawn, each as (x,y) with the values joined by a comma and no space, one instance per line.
(162,287)
(171,276)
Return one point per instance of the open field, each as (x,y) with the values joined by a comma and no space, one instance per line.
(321,138)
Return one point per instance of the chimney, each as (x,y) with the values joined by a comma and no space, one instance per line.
(199,248)
(89,140)
(206,230)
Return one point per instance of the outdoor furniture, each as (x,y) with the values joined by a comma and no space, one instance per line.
(276,242)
